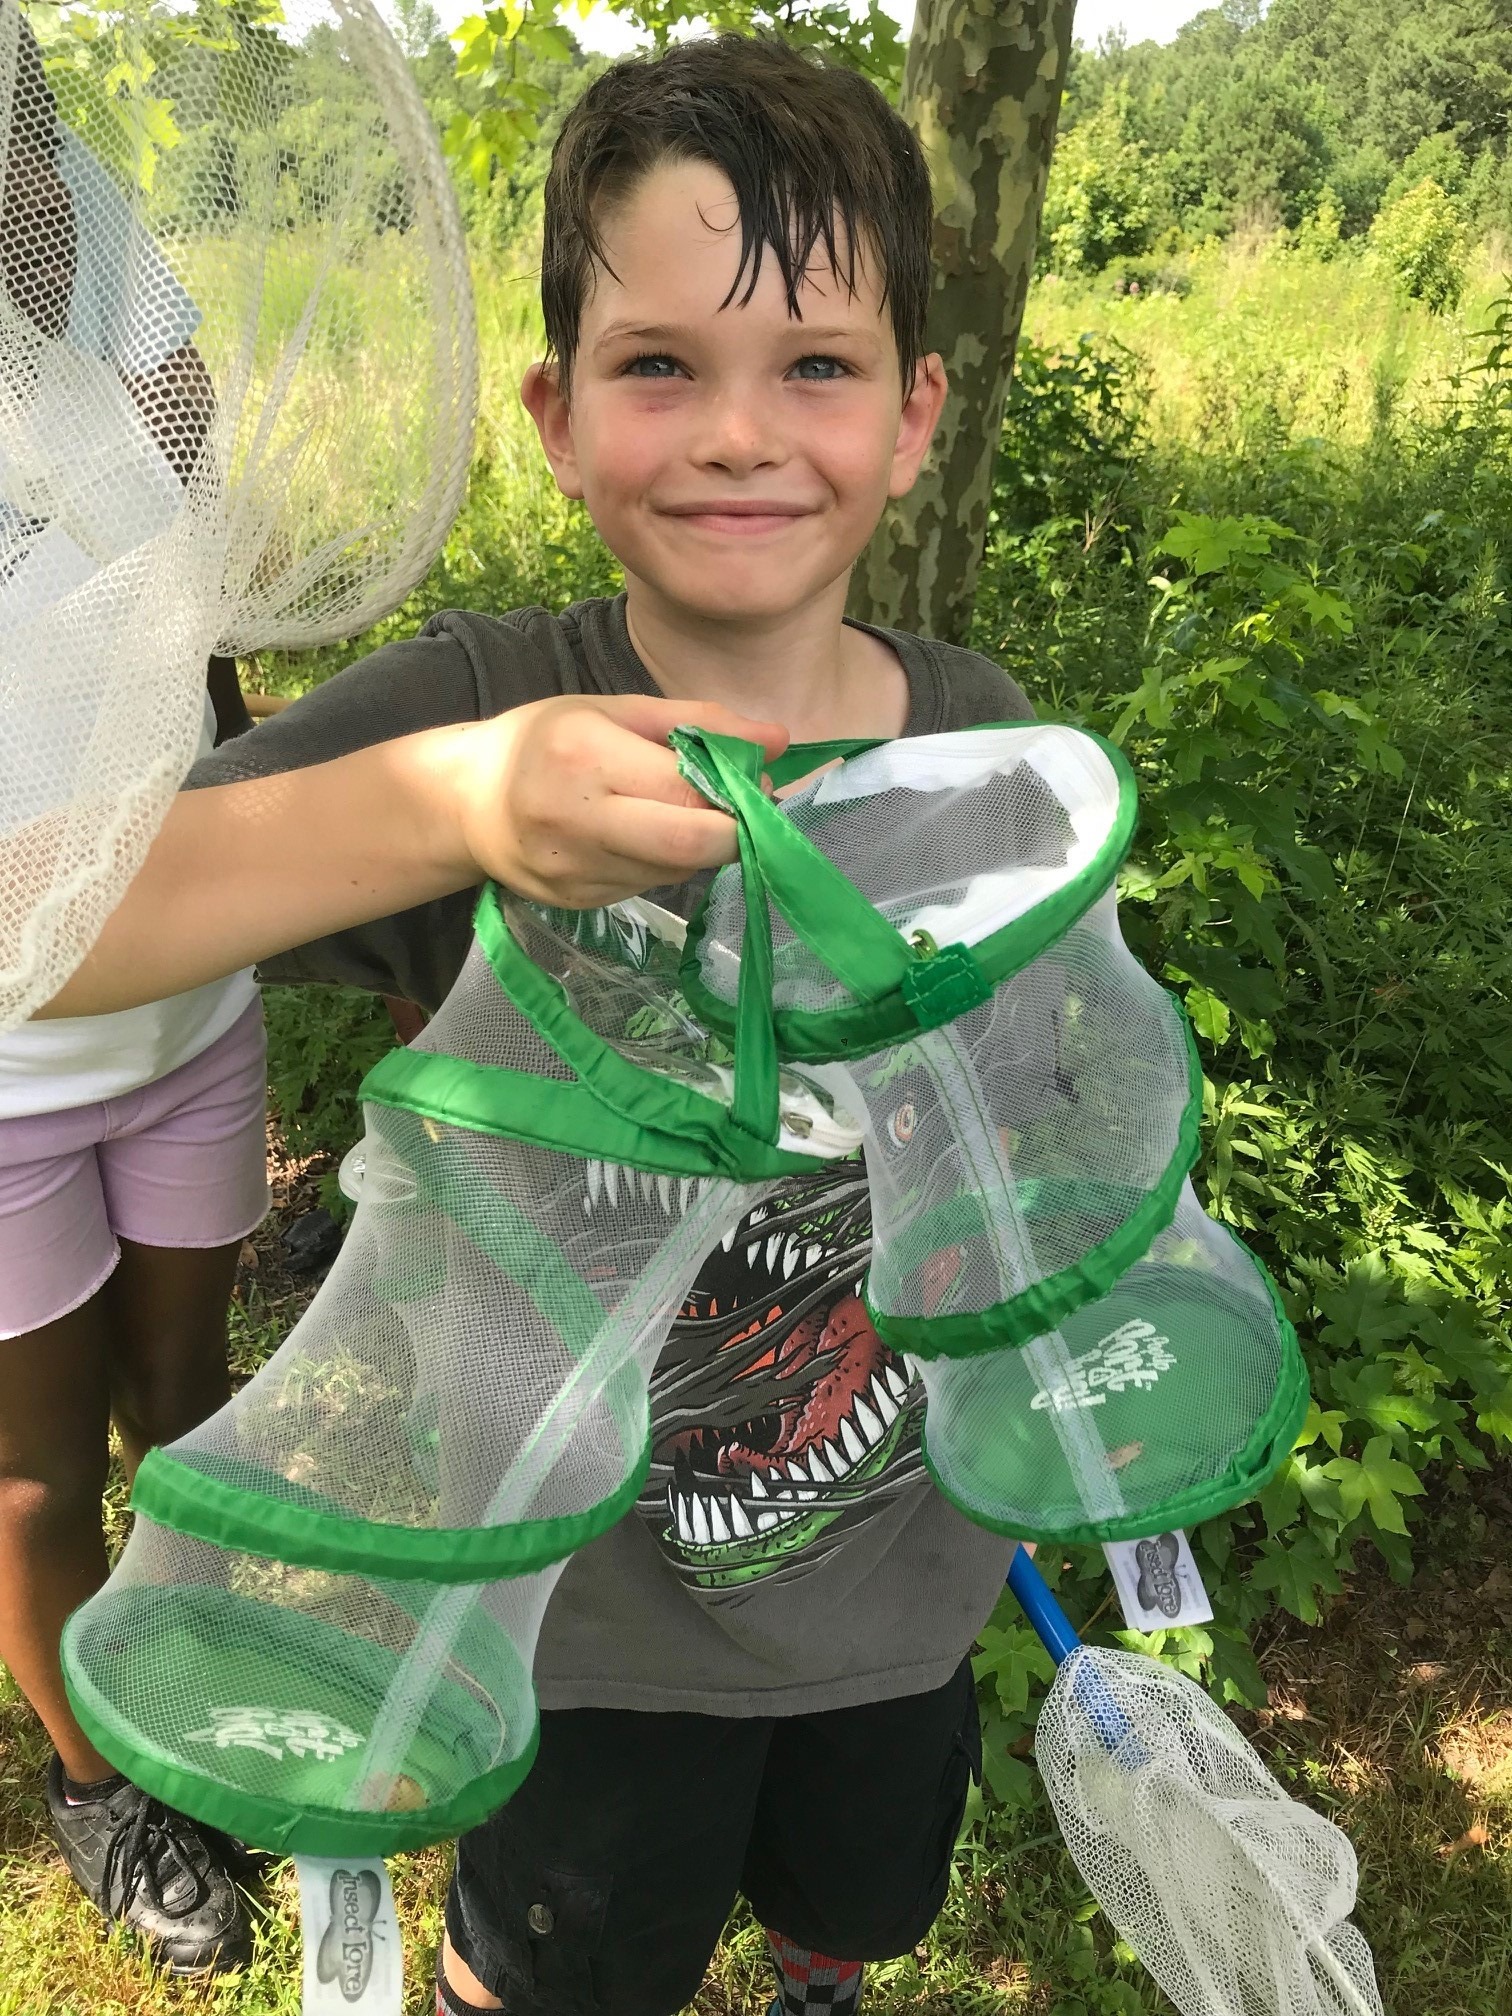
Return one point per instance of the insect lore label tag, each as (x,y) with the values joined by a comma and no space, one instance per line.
(1158,1583)
(353,1961)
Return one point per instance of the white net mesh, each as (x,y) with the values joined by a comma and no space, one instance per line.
(1077,1070)
(1236,1898)
(479,1353)
(237,386)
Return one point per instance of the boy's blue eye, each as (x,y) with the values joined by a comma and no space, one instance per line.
(819,370)
(653,364)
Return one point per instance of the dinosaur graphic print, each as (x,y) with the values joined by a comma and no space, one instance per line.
(779,1418)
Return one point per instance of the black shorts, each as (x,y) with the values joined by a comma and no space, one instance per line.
(602,1888)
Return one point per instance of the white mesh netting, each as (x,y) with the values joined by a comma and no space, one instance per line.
(237,389)
(956,836)
(479,1353)
(1077,1071)
(1236,1898)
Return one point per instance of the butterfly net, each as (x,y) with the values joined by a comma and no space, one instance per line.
(237,387)
(1236,1898)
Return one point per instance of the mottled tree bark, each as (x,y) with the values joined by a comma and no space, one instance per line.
(982,88)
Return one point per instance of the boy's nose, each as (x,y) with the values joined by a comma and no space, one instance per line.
(738,437)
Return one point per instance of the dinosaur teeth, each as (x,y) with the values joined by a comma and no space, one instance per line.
(886,1406)
(715,1519)
(868,1423)
(897,1385)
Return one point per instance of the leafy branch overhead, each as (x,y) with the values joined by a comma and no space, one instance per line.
(498,49)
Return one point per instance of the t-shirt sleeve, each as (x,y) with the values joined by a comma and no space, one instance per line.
(427,681)
(979,691)
(127,307)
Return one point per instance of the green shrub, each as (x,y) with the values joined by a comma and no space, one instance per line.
(1422,239)
(1306,660)
(1097,204)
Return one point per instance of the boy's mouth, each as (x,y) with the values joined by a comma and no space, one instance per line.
(742,517)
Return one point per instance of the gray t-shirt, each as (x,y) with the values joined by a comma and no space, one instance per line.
(875,1587)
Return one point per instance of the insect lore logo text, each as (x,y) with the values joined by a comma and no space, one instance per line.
(1135,1354)
(346,1946)
(278,1732)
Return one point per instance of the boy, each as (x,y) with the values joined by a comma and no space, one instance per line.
(735,276)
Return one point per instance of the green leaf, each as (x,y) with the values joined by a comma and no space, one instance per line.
(1209,1016)
(1295,1573)
(1375,1483)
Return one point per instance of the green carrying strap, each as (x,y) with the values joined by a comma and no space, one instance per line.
(898,986)
(780,868)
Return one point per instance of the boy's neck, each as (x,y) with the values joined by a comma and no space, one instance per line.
(810,670)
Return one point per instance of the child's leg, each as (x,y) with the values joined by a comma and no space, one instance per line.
(184,1183)
(168,1341)
(54,1420)
(602,1887)
(860,1871)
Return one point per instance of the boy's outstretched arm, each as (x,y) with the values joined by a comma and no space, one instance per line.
(574,801)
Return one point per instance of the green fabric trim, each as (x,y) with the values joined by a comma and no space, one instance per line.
(1270,1443)
(1047,1302)
(299,1530)
(615,1112)
(867,1025)
(799,758)
(283,1826)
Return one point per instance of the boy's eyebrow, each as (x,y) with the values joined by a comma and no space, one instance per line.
(667,332)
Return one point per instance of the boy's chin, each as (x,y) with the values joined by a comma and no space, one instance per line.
(736,594)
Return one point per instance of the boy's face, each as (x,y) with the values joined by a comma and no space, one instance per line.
(735,460)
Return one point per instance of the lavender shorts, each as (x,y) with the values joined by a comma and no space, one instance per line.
(180,1162)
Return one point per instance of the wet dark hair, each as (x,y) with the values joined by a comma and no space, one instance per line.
(815,154)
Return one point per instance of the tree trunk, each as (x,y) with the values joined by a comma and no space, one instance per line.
(982,89)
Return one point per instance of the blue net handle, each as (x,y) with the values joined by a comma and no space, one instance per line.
(1058,1636)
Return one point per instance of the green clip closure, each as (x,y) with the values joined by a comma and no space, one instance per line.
(944,985)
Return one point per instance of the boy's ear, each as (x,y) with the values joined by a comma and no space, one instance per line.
(542,397)
(921,416)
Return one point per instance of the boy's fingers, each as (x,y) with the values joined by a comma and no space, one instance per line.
(655,720)
(671,841)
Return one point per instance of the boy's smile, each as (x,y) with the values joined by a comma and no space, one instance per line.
(735,458)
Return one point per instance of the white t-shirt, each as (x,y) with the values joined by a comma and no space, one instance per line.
(129,310)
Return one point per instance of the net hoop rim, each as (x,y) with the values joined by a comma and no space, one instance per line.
(888,1016)
(1048,1301)
(286,1826)
(192,1502)
(615,1111)
(1269,1444)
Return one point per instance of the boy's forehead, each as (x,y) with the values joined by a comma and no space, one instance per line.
(674,252)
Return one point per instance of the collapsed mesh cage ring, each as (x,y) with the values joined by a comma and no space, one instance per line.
(900,987)
(1246,1474)
(232,1508)
(613,1111)
(277,1825)
(1142,1215)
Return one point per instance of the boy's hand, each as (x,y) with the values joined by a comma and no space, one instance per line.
(579,801)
